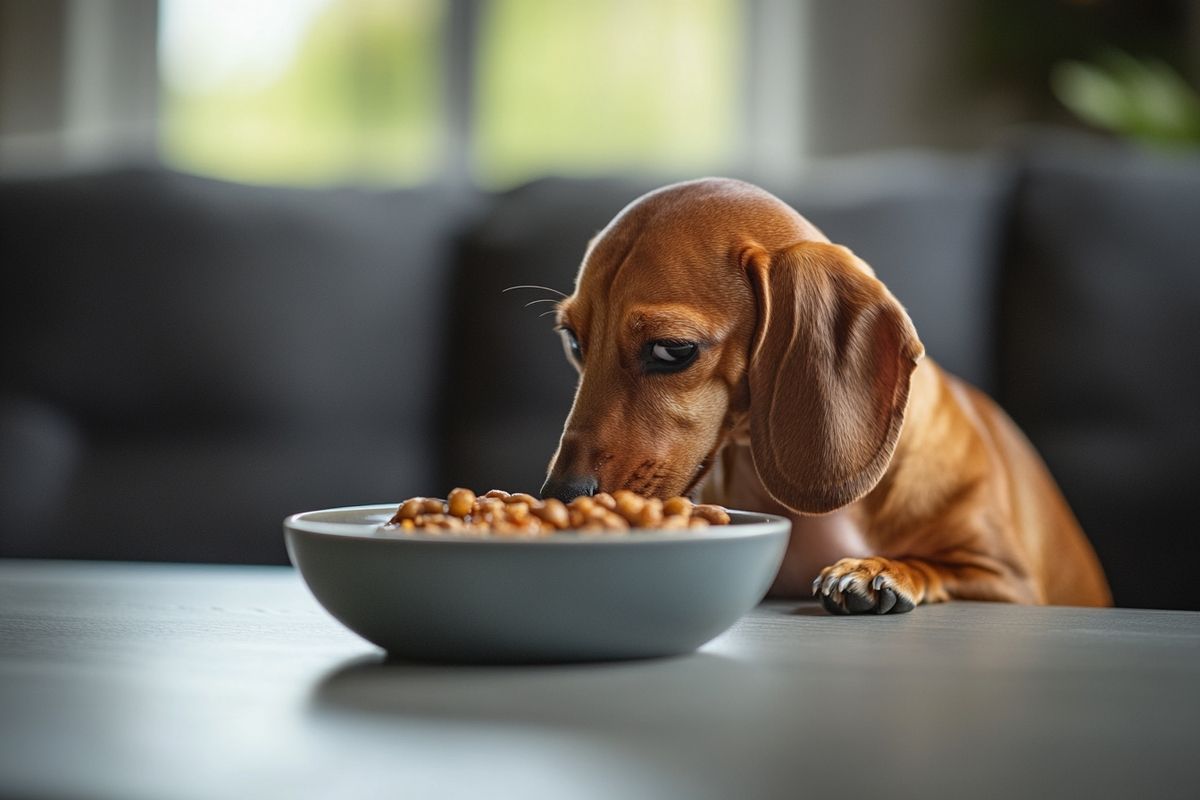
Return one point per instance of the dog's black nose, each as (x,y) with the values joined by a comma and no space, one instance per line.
(567,489)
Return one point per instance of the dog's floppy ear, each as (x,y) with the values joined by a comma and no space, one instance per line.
(829,374)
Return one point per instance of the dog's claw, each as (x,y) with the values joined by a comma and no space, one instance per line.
(830,582)
(887,600)
(816,586)
(877,583)
(846,581)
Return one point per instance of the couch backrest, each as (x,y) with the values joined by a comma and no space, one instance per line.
(1100,355)
(165,331)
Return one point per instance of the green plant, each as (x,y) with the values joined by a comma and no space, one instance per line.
(1141,99)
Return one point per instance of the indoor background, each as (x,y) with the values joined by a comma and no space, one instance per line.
(252,254)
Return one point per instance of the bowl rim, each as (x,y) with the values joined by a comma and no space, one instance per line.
(744,524)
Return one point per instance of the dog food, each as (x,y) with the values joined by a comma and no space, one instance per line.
(502,514)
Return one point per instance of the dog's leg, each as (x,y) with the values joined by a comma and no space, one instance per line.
(878,585)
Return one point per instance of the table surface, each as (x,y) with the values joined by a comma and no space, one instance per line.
(171,681)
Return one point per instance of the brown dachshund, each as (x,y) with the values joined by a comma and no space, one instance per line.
(725,346)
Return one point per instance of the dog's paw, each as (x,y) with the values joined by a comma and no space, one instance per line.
(866,586)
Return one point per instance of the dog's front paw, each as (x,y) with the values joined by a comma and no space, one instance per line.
(866,586)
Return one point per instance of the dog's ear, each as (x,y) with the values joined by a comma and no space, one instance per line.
(829,375)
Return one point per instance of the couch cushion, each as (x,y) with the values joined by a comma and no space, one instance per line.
(143,306)
(1100,353)
(929,226)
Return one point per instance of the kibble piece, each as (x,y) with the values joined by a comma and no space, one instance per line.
(461,502)
(497,493)
(409,509)
(432,505)
(614,521)
(677,506)
(651,514)
(698,522)
(713,514)
(605,500)
(517,512)
(489,505)
(553,512)
(674,522)
(629,505)
(521,497)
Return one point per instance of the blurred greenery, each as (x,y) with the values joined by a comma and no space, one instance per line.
(1143,100)
(360,101)
(578,87)
(560,87)
(1014,46)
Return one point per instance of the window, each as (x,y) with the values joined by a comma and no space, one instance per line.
(575,87)
(318,91)
(302,91)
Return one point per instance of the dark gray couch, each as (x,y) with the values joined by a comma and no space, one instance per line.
(184,362)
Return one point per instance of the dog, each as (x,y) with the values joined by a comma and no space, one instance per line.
(726,348)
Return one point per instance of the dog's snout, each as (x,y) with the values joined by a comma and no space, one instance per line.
(567,489)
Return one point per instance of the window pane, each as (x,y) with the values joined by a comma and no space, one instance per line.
(591,85)
(302,91)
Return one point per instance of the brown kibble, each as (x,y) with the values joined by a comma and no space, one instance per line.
(489,505)
(554,513)
(520,514)
(410,508)
(584,504)
(629,505)
(651,514)
(677,505)
(614,521)
(506,529)
(713,514)
(461,502)
(605,500)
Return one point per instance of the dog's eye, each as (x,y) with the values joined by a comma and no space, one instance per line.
(669,356)
(571,345)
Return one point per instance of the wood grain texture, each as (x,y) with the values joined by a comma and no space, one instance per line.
(161,681)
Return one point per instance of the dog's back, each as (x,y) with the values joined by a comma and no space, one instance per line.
(1062,560)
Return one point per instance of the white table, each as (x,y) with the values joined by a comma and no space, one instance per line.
(159,681)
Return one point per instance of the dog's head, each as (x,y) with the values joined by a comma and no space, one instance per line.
(711,309)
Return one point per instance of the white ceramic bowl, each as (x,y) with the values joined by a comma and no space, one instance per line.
(566,597)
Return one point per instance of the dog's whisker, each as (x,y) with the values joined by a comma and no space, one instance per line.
(533,286)
(543,300)
(548,313)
